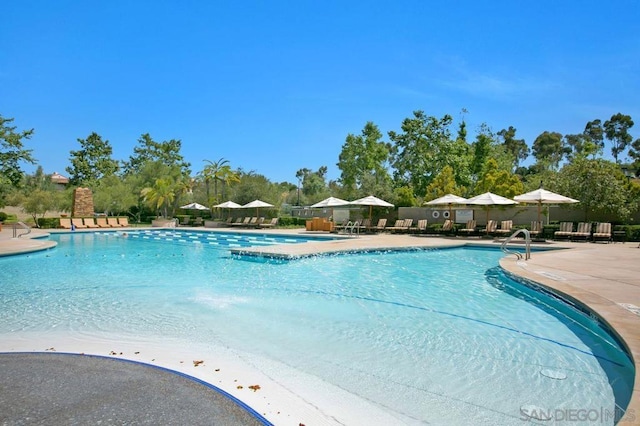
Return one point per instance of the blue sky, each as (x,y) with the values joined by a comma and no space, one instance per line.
(276,86)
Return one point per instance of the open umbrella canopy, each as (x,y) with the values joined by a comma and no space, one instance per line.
(194,206)
(330,202)
(542,196)
(447,200)
(372,202)
(228,205)
(489,199)
(256,204)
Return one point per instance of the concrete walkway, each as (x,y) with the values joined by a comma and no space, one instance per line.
(604,277)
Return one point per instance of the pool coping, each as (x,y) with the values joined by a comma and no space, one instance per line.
(602,277)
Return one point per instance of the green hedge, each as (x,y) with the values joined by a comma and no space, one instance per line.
(6,217)
(291,221)
(48,222)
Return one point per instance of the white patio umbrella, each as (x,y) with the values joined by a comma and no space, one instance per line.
(228,205)
(194,206)
(489,199)
(541,196)
(449,199)
(330,202)
(371,201)
(256,204)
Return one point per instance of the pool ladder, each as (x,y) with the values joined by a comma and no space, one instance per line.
(352,228)
(527,241)
(23,226)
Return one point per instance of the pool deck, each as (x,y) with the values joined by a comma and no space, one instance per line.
(604,277)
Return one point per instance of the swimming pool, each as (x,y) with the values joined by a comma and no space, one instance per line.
(440,336)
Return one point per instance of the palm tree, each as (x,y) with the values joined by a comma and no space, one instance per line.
(218,171)
(160,196)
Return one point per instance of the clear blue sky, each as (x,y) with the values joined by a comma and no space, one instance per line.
(275,86)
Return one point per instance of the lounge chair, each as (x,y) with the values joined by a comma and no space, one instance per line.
(536,228)
(123,221)
(65,223)
(113,222)
(420,228)
(89,222)
(469,228)
(447,227)
(102,222)
(380,226)
(583,232)
(397,226)
(602,232)
(491,227)
(505,227)
(565,231)
(271,224)
(365,225)
(259,221)
(77,223)
(242,222)
(198,221)
(407,225)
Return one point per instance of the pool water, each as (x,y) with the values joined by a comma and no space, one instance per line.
(430,336)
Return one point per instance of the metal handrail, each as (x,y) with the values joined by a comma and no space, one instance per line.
(527,240)
(24,226)
(353,227)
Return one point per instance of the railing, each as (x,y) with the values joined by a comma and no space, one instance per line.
(354,228)
(527,241)
(23,226)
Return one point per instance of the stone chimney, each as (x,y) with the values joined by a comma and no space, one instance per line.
(82,203)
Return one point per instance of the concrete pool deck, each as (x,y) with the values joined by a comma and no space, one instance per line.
(604,277)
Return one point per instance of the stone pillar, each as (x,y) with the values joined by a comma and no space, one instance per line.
(82,203)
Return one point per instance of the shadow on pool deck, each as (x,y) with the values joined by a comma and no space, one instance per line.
(48,388)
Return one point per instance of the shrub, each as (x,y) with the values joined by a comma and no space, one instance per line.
(48,222)
(3,216)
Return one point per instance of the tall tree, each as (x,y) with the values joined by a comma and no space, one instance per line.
(148,150)
(634,153)
(92,162)
(313,183)
(12,152)
(599,185)
(549,149)
(217,172)
(363,155)
(595,135)
(501,182)
(617,131)
(481,148)
(114,195)
(516,147)
(444,183)
(417,150)
(160,196)
(580,146)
